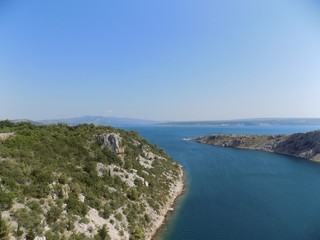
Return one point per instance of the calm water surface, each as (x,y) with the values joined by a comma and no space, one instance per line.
(240,194)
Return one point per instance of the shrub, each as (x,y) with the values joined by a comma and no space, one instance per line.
(53,214)
(75,206)
(5,200)
(137,233)
(133,194)
(103,233)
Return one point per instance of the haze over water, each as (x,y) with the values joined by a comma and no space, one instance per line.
(240,194)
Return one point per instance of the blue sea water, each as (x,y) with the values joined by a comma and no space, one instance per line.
(237,194)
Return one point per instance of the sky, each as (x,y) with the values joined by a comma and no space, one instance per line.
(159,59)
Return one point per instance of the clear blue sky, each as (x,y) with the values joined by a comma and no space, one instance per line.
(159,59)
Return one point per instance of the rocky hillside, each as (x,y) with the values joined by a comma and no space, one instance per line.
(82,182)
(301,145)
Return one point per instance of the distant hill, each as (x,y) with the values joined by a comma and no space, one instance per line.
(249,122)
(101,120)
(26,121)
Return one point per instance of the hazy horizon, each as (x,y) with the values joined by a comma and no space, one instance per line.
(164,120)
(161,60)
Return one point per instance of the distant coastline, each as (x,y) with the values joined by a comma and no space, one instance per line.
(248,122)
(118,121)
(301,145)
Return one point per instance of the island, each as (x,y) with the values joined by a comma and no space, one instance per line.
(301,145)
(83,182)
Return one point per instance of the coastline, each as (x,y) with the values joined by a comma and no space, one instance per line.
(300,145)
(169,208)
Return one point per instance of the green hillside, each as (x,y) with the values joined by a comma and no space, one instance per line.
(82,182)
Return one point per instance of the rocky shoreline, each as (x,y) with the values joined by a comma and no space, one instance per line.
(177,191)
(301,145)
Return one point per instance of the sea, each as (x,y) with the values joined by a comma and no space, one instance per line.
(235,194)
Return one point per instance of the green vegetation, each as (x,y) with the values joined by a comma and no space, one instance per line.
(4,229)
(44,170)
(102,234)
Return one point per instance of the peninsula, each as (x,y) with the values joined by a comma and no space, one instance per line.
(83,182)
(301,145)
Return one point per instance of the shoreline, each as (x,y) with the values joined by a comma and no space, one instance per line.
(299,145)
(170,208)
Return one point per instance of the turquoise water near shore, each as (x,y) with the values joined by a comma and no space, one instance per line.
(240,194)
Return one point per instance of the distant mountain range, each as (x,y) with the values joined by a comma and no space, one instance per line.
(250,122)
(101,120)
(117,121)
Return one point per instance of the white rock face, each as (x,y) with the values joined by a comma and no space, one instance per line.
(307,154)
(40,238)
(145,162)
(111,141)
(5,136)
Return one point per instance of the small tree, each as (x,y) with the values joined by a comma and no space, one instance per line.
(53,214)
(137,234)
(133,194)
(5,200)
(103,233)
(30,235)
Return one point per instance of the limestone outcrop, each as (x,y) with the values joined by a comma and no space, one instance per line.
(111,141)
(5,136)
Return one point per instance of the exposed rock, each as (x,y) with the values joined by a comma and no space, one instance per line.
(147,158)
(40,238)
(111,141)
(125,176)
(54,196)
(158,218)
(81,197)
(101,169)
(145,162)
(65,190)
(304,145)
(96,222)
(5,136)
(136,143)
(301,145)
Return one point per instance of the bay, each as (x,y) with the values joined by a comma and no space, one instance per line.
(240,194)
